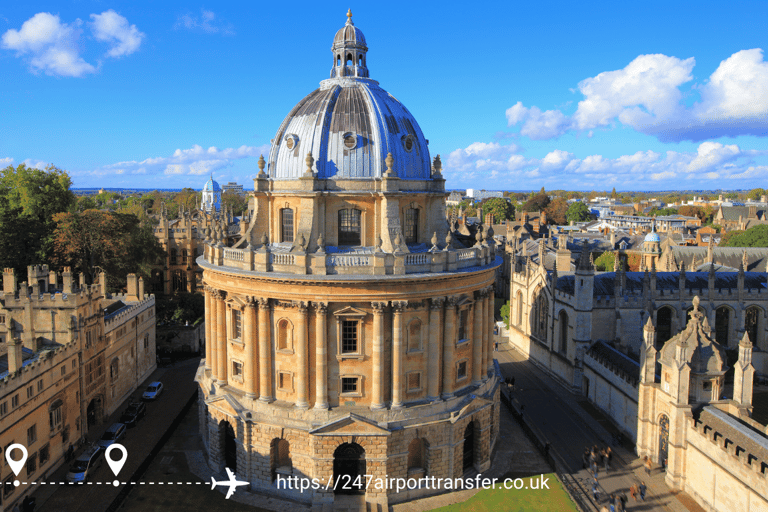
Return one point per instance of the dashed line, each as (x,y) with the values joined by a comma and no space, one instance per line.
(111,483)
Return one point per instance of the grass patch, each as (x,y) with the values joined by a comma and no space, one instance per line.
(494,500)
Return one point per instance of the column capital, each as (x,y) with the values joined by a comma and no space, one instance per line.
(379,307)
(415,304)
(251,302)
(453,301)
(398,306)
(263,303)
(321,308)
(300,305)
(437,303)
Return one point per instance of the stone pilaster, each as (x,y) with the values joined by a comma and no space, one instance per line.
(208,322)
(211,340)
(489,321)
(321,355)
(377,361)
(265,352)
(478,366)
(249,340)
(302,390)
(221,338)
(397,353)
(433,351)
(449,347)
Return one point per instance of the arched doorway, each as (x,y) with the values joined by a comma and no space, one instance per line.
(722,325)
(469,446)
(349,469)
(663,439)
(752,324)
(93,412)
(230,446)
(663,326)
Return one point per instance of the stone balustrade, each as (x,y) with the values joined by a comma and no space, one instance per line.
(365,262)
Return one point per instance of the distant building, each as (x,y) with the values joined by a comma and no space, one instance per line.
(70,354)
(211,202)
(479,195)
(233,188)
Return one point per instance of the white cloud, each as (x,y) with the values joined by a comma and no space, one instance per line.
(556,159)
(37,164)
(52,46)
(5,162)
(194,161)
(206,22)
(646,95)
(110,27)
(712,154)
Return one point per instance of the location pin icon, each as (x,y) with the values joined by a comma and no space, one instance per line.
(116,465)
(16,465)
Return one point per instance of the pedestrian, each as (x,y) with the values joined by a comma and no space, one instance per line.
(642,489)
(608,457)
(512,381)
(648,466)
(633,492)
(623,498)
(595,490)
(495,346)
(594,469)
(611,503)
(585,458)
(617,503)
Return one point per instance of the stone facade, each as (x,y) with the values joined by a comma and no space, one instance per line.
(347,333)
(69,355)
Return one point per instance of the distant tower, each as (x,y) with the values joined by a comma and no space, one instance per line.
(211,202)
(651,249)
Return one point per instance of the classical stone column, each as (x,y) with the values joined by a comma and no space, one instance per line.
(212,340)
(433,351)
(397,353)
(449,347)
(265,352)
(208,322)
(249,340)
(321,356)
(489,323)
(478,366)
(377,360)
(302,390)
(221,338)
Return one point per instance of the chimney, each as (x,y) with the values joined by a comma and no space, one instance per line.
(103,284)
(15,361)
(141,288)
(479,215)
(132,293)
(66,281)
(753,212)
(9,282)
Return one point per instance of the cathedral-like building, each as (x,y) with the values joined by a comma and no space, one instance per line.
(349,333)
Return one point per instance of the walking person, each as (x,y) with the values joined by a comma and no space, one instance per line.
(608,457)
(633,492)
(585,458)
(648,466)
(595,490)
(495,346)
(642,489)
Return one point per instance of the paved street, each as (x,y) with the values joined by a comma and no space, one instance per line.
(98,493)
(570,424)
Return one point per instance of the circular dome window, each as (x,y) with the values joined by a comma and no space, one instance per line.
(408,142)
(350,140)
(291,141)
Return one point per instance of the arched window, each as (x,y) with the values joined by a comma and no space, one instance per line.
(411,228)
(519,308)
(563,332)
(417,458)
(284,335)
(541,310)
(56,416)
(722,325)
(114,369)
(663,326)
(280,453)
(179,281)
(359,60)
(338,60)
(349,59)
(286,225)
(752,324)
(349,226)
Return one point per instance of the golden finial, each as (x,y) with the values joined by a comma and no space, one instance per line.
(349,14)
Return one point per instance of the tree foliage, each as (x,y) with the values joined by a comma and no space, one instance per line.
(29,198)
(96,240)
(504,311)
(235,203)
(181,307)
(604,262)
(500,208)
(756,236)
(614,195)
(556,211)
(755,194)
(577,212)
(536,203)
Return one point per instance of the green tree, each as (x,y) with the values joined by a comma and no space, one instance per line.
(95,240)
(577,212)
(29,198)
(604,262)
(556,211)
(756,236)
(500,208)
(536,203)
(504,311)
(614,194)
(181,307)
(755,194)
(235,203)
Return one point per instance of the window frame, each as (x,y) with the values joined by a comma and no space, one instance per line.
(411,226)
(459,364)
(358,383)
(408,387)
(352,220)
(350,314)
(238,369)
(287,235)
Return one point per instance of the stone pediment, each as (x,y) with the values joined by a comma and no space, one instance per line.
(350,311)
(225,404)
(475,404)
(235,301)
(351,425)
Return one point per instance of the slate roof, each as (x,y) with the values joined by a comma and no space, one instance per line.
(604,282)
(726,256)
(615,360)
(733,212)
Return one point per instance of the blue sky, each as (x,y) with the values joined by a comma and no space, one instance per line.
(644,96)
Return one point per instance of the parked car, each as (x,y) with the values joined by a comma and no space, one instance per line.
(114,433)
(153,391)
(86,464)
(133,414)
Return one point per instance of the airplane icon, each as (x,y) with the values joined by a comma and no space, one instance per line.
(231,483)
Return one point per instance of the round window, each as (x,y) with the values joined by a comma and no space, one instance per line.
(291,140)
(408,144)
(350,140)
(289,143)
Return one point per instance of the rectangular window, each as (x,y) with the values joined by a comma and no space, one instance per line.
(349,384)
(349,336)
(30,391)
(15,401)
(31,435)
(414,381)
(8,486)
(45,454)
(461,370)
(183,256)
(63,370)
(463,324)
(31,464)
(39,385)
(286,225)
(173,256)
(349,227)
(237,369)
(3,408)
(146,341)
(236,324)
(285,381)
(411,226)
(74,363)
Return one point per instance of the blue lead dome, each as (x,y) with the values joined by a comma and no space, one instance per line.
(349,124)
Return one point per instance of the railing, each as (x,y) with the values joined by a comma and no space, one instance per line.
(282,259)
(234,255)
(348,260)
(465,254)
(423,258)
